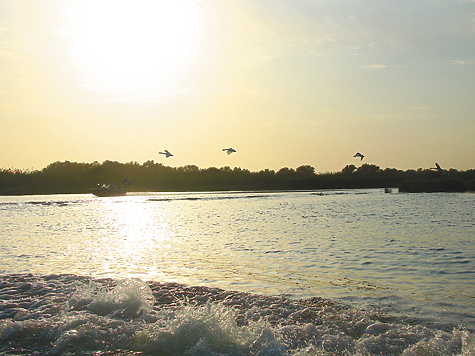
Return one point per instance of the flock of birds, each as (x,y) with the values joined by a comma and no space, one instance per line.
(168,154)
(357,155)
(232,150)
(437,166)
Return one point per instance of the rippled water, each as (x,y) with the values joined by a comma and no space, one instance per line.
(408,254)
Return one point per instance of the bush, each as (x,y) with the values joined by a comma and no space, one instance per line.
(432,186)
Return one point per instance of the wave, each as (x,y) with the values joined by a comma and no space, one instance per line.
(69,314)
(210,197)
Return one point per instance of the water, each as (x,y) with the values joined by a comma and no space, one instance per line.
(241,272)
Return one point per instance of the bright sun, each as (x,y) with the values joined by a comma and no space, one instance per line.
(130,46)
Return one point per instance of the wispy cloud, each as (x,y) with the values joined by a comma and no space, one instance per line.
(460,62)
(376,66)
(313,26)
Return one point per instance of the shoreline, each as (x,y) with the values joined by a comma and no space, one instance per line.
(76,178)
(394,190)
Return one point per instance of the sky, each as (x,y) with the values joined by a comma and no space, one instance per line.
(284,82)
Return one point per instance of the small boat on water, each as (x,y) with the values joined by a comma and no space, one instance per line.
(108,190)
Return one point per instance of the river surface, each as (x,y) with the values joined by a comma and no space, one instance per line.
(409,256)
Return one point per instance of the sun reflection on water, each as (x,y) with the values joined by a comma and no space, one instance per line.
(135,234)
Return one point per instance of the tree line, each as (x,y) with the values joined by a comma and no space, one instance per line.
(73,177)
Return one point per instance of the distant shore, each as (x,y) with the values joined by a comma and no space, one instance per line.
(77,178)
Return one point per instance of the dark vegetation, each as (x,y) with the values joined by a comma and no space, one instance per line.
(73,177)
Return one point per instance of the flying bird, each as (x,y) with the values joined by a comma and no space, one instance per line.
(166,153)
(359,155)
(229,150)
(438,169)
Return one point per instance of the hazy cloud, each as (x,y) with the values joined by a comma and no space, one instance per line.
(459,62)
(375,66)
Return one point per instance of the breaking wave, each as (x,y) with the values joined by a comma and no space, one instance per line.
(77,315)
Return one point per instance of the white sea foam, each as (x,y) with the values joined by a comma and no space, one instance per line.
(65,315)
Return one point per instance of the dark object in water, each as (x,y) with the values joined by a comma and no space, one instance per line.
(108,190)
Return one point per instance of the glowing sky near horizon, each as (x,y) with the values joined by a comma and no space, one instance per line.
(287,83)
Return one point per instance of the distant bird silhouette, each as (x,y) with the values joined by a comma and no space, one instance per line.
(359,155)
(438,169)
(166,153)
(229,150)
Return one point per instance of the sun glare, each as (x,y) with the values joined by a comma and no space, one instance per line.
(129,46)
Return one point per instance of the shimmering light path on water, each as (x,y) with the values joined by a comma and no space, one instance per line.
(410,252)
